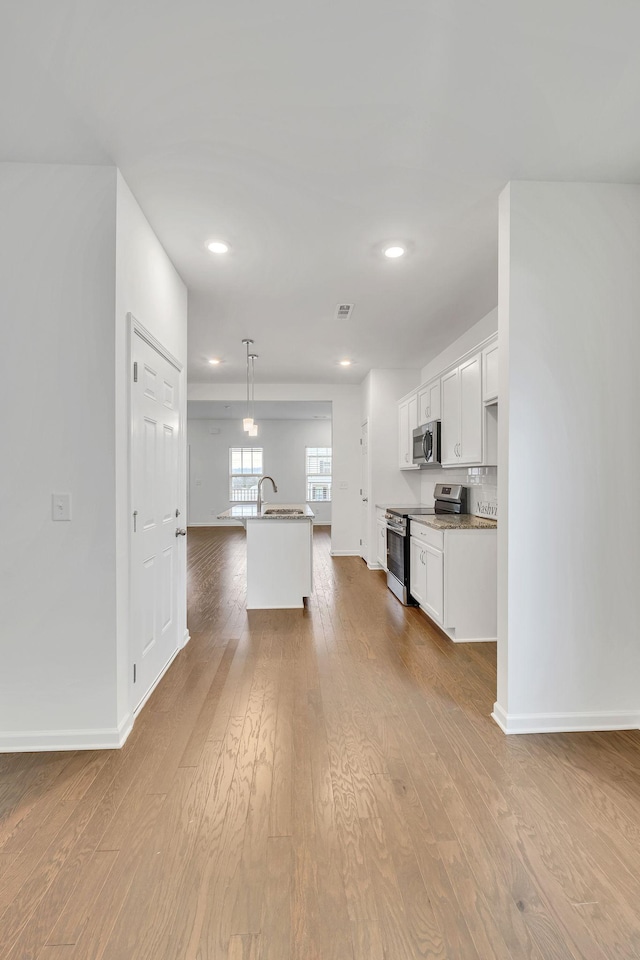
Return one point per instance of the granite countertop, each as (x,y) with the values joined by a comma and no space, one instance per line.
(249,511)
(453,521)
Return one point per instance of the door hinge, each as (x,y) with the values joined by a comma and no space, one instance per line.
(135,371)
(135,521)
(135,672)
(360,441)
(361,543)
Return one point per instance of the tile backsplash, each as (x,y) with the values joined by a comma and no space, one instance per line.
(481,484)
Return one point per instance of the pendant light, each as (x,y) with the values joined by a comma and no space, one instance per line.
(253,429)
(247,423)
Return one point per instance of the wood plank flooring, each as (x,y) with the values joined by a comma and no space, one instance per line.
(324,784)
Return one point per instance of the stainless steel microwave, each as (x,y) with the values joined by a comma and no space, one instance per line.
(426,444)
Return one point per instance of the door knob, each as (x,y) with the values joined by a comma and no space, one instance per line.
(181,532)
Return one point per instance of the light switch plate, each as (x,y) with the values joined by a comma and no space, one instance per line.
(343,485)
(61,506)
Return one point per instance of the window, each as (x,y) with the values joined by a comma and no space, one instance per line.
(245,469)
(318,470)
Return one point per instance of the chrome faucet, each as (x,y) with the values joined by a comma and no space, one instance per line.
(260,482)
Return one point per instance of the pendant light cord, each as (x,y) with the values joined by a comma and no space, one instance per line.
(248,410)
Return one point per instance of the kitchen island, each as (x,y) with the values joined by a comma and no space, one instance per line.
(279,553)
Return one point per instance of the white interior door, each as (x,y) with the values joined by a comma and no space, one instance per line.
(155,458)
(364,491)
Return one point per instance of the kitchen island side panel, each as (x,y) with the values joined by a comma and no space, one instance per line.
(279,563)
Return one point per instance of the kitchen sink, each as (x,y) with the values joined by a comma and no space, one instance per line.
(284,511)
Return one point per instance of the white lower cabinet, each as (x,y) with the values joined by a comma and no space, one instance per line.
(381,552)
(453,576)
(417,571)
(434,595)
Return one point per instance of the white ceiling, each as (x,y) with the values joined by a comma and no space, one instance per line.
(264,410)
(308,134)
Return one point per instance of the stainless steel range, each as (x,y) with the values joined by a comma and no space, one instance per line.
(449,498)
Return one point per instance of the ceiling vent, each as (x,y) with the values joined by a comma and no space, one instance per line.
(344,311)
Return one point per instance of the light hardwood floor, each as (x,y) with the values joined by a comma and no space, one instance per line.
(323,784)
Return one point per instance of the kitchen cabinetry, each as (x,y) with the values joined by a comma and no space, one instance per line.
(429,402)
(426,573)
(453,576)
(407,422)
(464,400)
(417,571)
(490,373)
(462,407)
(381,552)
(434,596)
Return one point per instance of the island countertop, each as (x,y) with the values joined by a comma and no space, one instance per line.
(249,511)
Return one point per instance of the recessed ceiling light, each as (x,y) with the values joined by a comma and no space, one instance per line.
(345,363)
(218,246)
(394,251)
(214,362)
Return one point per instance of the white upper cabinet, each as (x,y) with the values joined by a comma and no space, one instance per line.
(429,402)
(407,422)
(463,399)
(462,409)
(490,373)
(450,431)
(471,411)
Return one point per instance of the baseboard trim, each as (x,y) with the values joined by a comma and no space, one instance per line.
(46,741)
(277,606)
(185,639)
(564,722)
(472,639)
(345,553)
(450,635)
(374,566)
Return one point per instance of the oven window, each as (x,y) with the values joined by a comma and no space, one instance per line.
(395,554)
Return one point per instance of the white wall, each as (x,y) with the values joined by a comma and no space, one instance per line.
(345,400)
(569,557)
(148,286)
(75,255)
(283,443)
(486,327)
(388,484)
(57,584)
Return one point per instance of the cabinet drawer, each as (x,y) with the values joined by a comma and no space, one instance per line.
(435,538)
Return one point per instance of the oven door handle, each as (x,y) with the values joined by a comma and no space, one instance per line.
(401,531)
